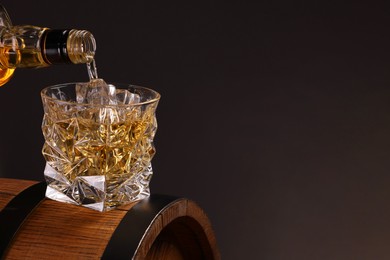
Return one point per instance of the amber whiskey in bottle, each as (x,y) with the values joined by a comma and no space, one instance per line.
(27,46)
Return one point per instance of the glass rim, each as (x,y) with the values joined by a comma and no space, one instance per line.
(68,84)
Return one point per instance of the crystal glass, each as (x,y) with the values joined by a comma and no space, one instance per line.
(98,156)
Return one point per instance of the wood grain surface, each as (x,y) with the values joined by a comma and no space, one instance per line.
(56,230)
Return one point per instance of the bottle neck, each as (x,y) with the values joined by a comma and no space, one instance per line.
(67,46)
(53,46)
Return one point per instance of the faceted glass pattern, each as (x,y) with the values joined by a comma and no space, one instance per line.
(98,156)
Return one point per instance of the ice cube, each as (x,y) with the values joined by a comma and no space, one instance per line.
(108,115)
(81,92)
(96,92)
(124,96)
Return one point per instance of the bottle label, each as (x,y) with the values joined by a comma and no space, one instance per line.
(53,46)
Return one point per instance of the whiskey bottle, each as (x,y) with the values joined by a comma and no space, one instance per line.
(27,46)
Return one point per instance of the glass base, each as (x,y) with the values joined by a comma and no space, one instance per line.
(97,192)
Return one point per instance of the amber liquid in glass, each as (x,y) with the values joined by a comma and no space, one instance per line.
(82,147)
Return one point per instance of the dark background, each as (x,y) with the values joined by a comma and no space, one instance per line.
(274,117)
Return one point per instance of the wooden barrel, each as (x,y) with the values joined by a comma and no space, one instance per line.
(160,227)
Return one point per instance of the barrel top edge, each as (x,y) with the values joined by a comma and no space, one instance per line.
(14,186)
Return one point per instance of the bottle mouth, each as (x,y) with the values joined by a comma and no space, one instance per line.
(81,46)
